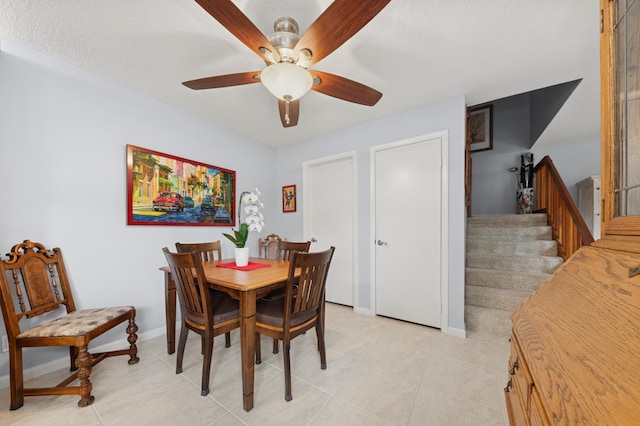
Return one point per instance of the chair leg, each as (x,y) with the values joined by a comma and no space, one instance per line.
(73,354)
(275,346)
(258,349)
(206,363)
(287,370)
(132,339)
(321,347)
(227,339)
(181,344)
(83,362)
(16,377)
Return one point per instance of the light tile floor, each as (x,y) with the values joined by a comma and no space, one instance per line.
(380,372)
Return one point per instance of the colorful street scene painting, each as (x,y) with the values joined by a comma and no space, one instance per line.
(163,189)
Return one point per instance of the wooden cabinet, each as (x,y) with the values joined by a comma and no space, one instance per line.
(576,340)
(575,353)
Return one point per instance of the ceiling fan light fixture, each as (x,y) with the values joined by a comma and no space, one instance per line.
(286,81)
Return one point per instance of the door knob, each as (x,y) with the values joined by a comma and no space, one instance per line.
(382,243)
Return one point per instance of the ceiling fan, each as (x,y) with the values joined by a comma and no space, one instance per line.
(288,56)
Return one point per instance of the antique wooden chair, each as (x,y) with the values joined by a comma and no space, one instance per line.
(269,247)
(299,310)
(33,284)
(209,252)
(208,314)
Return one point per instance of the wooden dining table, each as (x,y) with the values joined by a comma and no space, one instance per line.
(246,286)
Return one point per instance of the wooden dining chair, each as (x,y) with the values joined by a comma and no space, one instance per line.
(299,310)
(285,250)
(202,312)
(33,283)
(209,252)
(288,247)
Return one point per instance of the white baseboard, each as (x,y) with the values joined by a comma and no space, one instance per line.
(63,361)
(362,311)
(457,332)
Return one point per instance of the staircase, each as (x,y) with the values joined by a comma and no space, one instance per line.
(507,258)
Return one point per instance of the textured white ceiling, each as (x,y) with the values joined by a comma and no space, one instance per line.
(415,52)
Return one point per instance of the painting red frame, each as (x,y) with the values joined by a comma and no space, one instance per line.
(289,200)
(164,189)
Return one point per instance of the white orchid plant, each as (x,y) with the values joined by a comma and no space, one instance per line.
(254,220)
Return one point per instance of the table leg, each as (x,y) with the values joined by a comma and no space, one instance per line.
(170,311)
(247,345)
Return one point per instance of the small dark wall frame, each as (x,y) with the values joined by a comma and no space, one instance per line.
(481,123)
(289,199)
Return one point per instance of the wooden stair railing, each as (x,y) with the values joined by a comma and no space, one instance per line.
(552,197)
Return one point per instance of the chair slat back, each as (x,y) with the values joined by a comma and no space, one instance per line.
(270,247)
(288,247)
(187,272)
(306,300)
(33,282)
(209,251)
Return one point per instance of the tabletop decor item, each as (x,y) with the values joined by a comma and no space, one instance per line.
(252,222)
(249,267)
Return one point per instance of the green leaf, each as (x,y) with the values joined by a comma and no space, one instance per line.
(240,236)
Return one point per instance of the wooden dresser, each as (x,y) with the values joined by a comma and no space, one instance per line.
(575,347)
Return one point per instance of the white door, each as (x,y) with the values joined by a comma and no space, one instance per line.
(329,219)
(407,230)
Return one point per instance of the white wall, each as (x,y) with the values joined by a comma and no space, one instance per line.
(62,136)
(574,162)
(446,115)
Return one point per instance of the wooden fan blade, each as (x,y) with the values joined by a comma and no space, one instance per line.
(289,113)
(337,24)
(224,80)
(345,89)
(237,23)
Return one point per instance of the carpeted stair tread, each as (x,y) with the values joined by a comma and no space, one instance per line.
(536,219)
(497,298)
(508,232)
(487,320)
(513,247)
(510,280)
(534,264)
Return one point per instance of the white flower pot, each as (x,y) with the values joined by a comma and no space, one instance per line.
(242,256)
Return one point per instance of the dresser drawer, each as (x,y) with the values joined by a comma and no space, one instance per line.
(537,414)
(520,373)
(515,408)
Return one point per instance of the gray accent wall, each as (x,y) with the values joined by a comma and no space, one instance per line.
(493,186)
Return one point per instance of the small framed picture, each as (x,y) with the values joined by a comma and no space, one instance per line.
(481,127)
(289,198)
